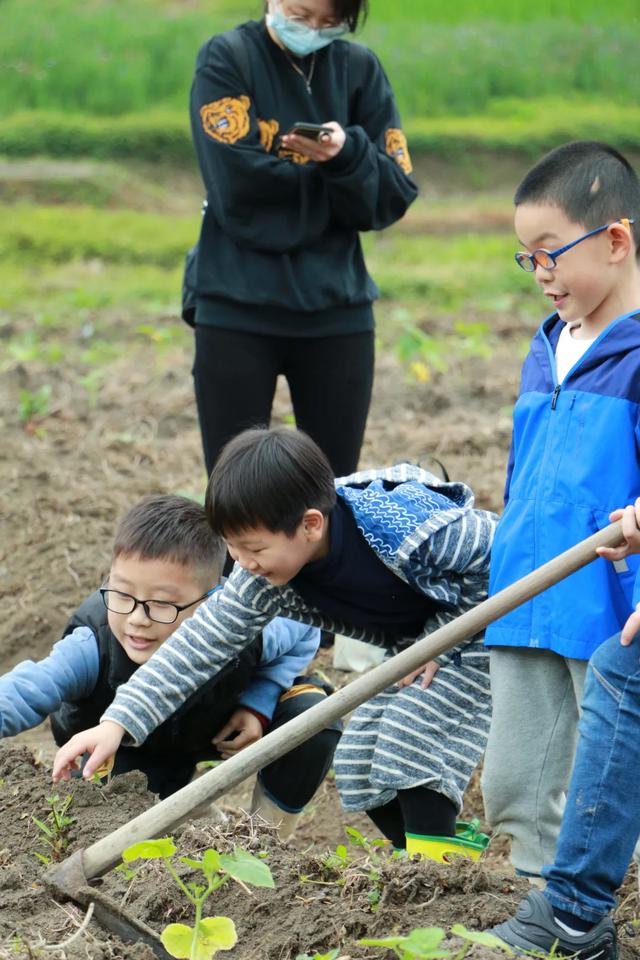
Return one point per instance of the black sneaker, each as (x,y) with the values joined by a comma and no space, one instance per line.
(534,928)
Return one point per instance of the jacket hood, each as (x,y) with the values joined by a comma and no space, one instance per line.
(398,508)
(620,337)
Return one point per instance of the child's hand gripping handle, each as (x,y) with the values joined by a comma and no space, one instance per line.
(630,525)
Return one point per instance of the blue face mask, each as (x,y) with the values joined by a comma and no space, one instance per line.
(299,38)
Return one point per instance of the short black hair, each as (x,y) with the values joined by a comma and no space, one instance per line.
(352,12)
(591,182)
(268,478)
(170,527)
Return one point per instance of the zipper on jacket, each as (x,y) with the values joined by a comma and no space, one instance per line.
(554,398)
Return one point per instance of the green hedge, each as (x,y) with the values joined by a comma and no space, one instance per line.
(155,136)
(526,127)
(59,234)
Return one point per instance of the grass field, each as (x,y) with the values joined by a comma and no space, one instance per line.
(106,59)
(77,267)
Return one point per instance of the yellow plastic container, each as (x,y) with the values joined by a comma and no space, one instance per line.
(468,843)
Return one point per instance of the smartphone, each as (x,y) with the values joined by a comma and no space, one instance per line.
(312,131)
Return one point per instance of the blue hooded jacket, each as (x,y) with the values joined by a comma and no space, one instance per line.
(575,457)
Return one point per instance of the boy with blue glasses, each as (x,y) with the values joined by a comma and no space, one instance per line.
(165,560)
(574,458)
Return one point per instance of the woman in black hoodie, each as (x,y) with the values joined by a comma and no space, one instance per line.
(280,278)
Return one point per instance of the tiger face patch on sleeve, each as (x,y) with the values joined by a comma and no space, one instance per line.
(291,155)
(226,120)
(396,146)
(268,130)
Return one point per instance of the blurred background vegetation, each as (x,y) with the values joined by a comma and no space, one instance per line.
(488,72)
(99,193)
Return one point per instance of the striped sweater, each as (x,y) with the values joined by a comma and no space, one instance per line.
(425,531)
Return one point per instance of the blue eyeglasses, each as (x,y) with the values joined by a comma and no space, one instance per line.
(547,258)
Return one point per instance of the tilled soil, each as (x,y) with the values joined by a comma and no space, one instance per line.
(65,478)
(313,905)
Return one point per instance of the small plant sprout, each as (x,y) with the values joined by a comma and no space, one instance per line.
(92,382)
(425,943)
(424,354)
(481,937)
(54,831)
(208,934)
(33,405)
(343,867)
(337,860)
(359,840)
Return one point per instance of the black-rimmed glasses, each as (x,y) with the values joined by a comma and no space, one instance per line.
(547,258)
(160,611)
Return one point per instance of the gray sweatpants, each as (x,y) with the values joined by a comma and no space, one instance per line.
(536,706)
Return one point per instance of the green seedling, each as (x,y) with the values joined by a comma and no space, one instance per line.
(425,943)
(92,382)
(373,849)
(358,839)
(127,872)
(54,831)
(208,935)
(480,937)
(341,866)
(423,354)
(338,860)
(33,404)
(473,338)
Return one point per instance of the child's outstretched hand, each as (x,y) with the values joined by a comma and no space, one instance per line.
(100,742)
(630,517)
(247,729)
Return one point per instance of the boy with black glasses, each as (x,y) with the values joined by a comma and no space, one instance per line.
(165,562)
(574,458)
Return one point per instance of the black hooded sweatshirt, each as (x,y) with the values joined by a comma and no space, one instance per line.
(279,249)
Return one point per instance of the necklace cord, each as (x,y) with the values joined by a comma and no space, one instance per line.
(306,77)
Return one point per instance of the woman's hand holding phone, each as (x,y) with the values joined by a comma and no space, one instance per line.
(325,148)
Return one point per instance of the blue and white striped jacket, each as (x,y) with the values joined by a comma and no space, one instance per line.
(425,530)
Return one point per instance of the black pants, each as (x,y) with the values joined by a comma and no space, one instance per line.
(416,810)
(293,779)
(330,380)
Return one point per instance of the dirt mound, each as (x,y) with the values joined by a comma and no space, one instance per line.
(316,903)
(320,901)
